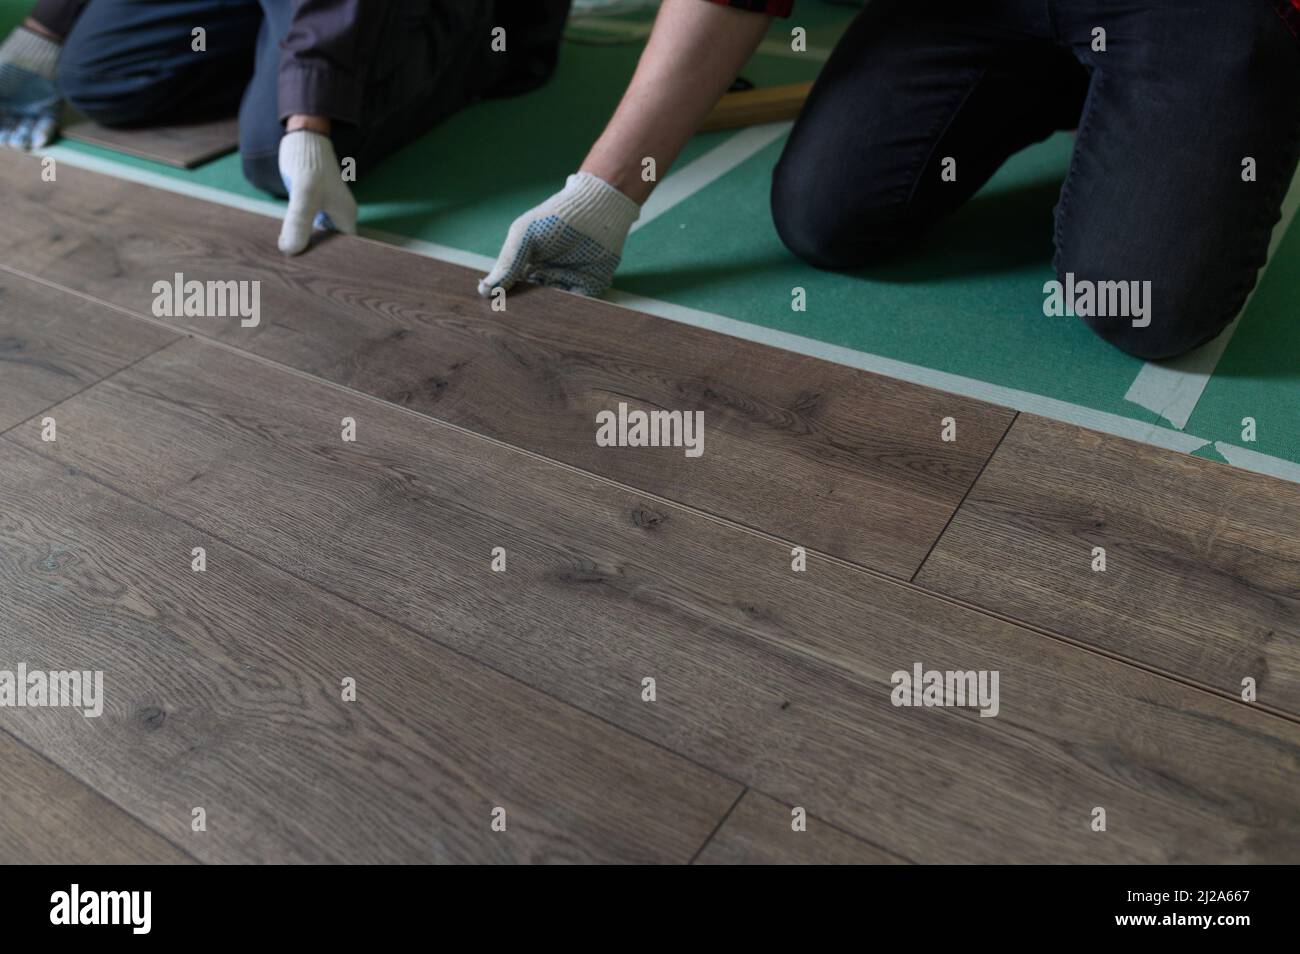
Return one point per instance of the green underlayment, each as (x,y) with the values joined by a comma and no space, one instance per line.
(969,304)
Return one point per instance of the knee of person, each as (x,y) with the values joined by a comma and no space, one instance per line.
(823,229)
(1154,320)
(94,95)
(1151,343)
(260,133)
(99,87)
(262,169)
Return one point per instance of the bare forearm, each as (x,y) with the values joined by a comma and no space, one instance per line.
(694,54)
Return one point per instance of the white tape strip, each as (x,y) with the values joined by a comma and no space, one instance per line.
(1259,463)
(914,373)
(156,180)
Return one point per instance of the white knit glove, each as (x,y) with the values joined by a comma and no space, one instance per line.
(317,194)
(573,240)
(29,102)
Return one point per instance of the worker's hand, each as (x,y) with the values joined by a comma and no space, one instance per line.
(318,196)
(29,101)
(573,240)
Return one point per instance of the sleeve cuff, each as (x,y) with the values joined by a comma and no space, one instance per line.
(57,16)
(315,90)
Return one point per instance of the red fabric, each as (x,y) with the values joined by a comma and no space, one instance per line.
(1290,14)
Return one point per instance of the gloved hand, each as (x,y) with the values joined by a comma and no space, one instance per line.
(573,240)
(29,102)
(317,194)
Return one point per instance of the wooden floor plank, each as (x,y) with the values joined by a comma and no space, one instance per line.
(1202,575)
(829,457)
(183,145)
(778,679)
(48,817)
(52,346)
(759,831)
(223,691)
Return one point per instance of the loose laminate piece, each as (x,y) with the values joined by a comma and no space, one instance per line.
(1202,575)
(49,817)
(183,145)
(829,457)
(779,680)
(53,345)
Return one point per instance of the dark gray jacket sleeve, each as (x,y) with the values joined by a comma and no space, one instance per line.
(57,16)
(324,56)
(326,53)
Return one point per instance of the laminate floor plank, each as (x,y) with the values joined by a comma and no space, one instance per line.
(183,145)
(49,817)
(830,457)
(1202,575)
(52,346)
(224,691)
(759,832)
(780,680)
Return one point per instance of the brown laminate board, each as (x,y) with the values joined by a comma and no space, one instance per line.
(49,817)
(832,458)
(53,345)
(780,680)
(184,145)
(224,690)
(1202,575)
(759,831)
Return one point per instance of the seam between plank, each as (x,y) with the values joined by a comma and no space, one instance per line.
(961,503)
(718,827)
(87,387)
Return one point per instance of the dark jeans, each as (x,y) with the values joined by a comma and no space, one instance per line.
(130,63)
(1184,92)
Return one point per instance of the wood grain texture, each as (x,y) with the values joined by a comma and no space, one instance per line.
(53,345)
(777,679)
(758,832)
(224,690)
(183,145)
(48,817)
(1202,574)
(829,457)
